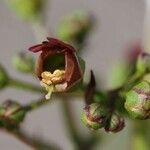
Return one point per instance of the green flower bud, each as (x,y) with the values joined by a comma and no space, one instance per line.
(3,78)
(75,27)
(143,63)
(95,116)
(11,113)
(115,124)
(23,63)
(27,9)
(138,101)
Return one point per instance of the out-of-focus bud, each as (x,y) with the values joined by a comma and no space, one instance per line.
(95,116)
(146,77)
(11,113)
(122,70)
(118,75)
(3,78)
(58,66)
(138,101)
(115,124)
(23,63)
(133,51)
(27,9)
(75,27)
(143,63)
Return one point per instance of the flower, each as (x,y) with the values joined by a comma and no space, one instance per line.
(57,66)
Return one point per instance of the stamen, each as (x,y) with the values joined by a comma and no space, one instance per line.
(52,82)
(49,78)
(50,90)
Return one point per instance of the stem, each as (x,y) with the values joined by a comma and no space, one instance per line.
(34,143)
(141,135)
(112,99)
(24,85)
(36,104)
(79,142)
(69,122)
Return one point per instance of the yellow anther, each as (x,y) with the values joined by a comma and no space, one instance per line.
(46,75)
(58,73)
(55,78)
(53,82)
(47,81)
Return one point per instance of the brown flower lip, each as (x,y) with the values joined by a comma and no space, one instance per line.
(53,47)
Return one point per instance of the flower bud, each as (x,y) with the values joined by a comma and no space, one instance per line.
(75,27)
(95,116)
(138,101)
(143,63)
(3,78)
(115,124)
(23,63)
(27,9)
(11,113)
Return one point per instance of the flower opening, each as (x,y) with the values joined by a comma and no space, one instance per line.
(57,66)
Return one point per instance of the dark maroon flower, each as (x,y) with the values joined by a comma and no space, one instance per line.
(57,66)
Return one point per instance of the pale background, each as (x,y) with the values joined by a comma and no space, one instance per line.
(119,22)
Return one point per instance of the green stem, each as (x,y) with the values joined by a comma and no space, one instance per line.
(79,142)
(36,104)
(24,85)
(69,122)
(33,142)
(141,136)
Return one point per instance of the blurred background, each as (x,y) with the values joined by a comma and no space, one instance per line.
(119,23)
